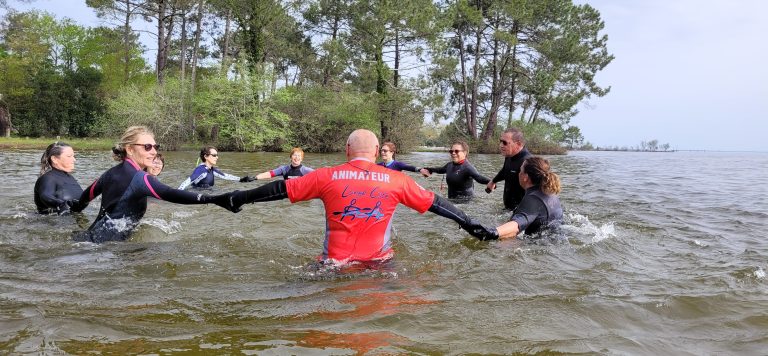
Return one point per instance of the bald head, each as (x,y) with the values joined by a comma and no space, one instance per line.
(362,144)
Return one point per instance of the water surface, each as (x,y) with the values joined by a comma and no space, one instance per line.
(663,253)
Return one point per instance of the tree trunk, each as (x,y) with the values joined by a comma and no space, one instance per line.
(465,91)
(161,48)
(127,43)
(225,50)
(198,31)
(183,53)
(472,122)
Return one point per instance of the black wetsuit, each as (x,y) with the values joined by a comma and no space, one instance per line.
(537,210)
(124,189)
(55,191)
(460,178)
(513,192)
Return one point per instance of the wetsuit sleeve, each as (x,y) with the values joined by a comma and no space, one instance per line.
(185,184)
(440,170)
(47,194)
(407,167)
(178,196)
(219,174)
(527,211)
(306,170)
(88,195)
(477,176)
(278,171)
(500,176)
(304,187)
(416,197)
(268,192)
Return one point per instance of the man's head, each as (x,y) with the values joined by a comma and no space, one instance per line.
(362,144)
(511,142)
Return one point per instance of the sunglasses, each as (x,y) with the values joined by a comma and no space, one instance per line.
(148,146)
(385,151)
(213,154)
(455,151)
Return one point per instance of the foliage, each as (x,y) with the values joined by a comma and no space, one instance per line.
(321,119)
(235,117)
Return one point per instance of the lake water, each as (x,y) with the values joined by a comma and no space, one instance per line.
(664,253)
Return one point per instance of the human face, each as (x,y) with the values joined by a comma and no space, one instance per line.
(457,153)
(507,146)
(296,158)
(211,158)
(139,154)
(65,161)
(156,167)
(386,154)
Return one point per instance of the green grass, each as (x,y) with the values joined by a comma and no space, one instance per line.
(40,143)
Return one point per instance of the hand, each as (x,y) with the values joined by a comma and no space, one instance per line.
(247,179)
(490,187)
(227,201)
(480,231)
(425,172)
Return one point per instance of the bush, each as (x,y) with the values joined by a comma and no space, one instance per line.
(321,120)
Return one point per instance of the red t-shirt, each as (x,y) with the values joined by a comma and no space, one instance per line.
(360,198)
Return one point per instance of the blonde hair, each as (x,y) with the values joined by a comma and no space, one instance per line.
(130,136)
(537,169)
(297,149)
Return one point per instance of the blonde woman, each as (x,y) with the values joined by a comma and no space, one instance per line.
(125,187)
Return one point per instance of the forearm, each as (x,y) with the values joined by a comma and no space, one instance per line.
(268,192)
(508,230)
(446,209)
(265,175)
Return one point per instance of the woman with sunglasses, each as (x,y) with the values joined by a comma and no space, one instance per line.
(388,150)
(293,170)
(203,175)
(125,187)
(55,189)
(459,173)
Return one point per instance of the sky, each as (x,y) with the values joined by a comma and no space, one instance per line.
(690,73)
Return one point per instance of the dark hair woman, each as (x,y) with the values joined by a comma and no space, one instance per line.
(55,189)
(125,187)
(203,175)
(459,173)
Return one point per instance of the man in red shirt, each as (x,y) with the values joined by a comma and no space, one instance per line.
(360,198)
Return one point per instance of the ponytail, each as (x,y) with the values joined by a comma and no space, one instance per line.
(53,150)
(551,183)
(537,169)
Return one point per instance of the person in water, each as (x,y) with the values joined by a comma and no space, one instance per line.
(203,175)
(360,198)
(540,207)
(459,173)
(157,165)
(55,189)
(125,187)
(512,147)
(293,170)
(388,150)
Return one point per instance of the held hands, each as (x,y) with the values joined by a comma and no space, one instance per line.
(247,179)
(227,201)
(490,187)
(480,231)
(425,172)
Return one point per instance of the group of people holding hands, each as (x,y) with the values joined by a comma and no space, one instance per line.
(359,196)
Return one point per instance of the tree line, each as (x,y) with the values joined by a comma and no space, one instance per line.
(270,74)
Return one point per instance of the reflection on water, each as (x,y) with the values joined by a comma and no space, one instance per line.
(660,254)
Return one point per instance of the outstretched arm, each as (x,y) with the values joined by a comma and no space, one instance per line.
(268,192)
(444,208)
